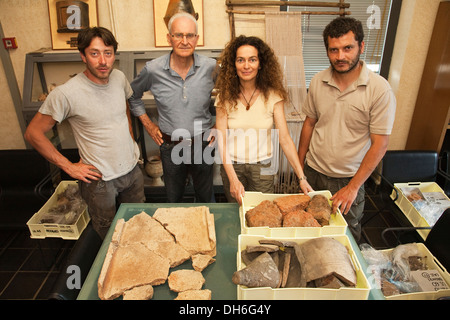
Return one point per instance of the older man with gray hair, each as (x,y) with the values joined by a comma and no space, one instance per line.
(181,83)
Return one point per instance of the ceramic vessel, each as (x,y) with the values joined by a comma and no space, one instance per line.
(154,170)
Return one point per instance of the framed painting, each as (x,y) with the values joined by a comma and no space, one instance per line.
(67,18)
(159,12)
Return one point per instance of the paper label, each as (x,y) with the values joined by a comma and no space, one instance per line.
(429,280)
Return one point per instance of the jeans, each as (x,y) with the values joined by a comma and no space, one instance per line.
(319,181)
(104,197)
(175,175)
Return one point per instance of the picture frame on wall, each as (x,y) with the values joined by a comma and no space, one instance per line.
(159,12)
(68,18)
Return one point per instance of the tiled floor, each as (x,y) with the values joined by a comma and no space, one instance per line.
(381,213)
(30,267)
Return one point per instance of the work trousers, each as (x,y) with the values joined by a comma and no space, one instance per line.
(319,181)
(104,197)
(251,178)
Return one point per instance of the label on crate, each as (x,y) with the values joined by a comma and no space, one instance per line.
(437,198)
(50,231)
(429,280)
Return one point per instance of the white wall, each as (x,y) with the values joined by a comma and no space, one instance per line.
(132,21)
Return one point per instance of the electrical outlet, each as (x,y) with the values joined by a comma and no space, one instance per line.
(10,43)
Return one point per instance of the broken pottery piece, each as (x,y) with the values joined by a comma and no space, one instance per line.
(261,272)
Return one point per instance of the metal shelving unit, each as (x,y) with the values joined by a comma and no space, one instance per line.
(128,62)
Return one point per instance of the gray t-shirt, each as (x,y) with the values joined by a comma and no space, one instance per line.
(97,114)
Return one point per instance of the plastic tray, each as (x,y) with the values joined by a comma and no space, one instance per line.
(337,225)
(413,215)
(40,230)
(433,264)
(360,292)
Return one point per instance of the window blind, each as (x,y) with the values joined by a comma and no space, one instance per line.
(373,14)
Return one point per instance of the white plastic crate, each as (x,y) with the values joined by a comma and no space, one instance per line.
(40,230)
(433,264)
(406,206)
(360,292)
(337,225)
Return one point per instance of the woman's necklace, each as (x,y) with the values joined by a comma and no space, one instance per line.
(248,102)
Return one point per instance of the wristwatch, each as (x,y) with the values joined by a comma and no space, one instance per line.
(302,178)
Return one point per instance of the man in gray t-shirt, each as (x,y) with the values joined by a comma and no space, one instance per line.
(94,103)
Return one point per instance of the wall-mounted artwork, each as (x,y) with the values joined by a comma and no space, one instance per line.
(67,18)
(162,9)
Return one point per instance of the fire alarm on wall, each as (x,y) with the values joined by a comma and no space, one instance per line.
(10,43)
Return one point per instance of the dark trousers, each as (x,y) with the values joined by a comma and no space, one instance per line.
(104,197)
(319,181)
(176,173)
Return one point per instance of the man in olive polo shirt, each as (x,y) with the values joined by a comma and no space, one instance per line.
(350,112)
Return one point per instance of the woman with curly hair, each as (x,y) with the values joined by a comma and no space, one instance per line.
(250,101)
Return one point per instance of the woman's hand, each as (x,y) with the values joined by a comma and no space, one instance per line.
(237,191)
(305,187)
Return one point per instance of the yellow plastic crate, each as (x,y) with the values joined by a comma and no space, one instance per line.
(40,230)
(360,292)
(337,225)
(413,215)
(433,264)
